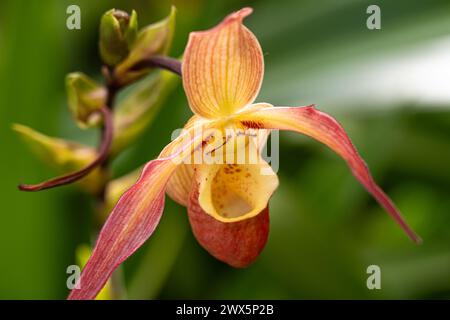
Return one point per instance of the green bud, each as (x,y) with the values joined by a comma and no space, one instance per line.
(155,39)
(85,96)
(137,109)
(118,32)
(65,156)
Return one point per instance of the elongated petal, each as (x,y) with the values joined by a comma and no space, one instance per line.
(322,127)
(132,221)
(222,67)
(82,254)
(115,189)
(238,243)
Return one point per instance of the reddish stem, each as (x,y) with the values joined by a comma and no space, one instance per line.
(103,152)
(162,62)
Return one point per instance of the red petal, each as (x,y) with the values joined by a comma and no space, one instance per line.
(320,126)
(235,243)
(132,221)
(134,218)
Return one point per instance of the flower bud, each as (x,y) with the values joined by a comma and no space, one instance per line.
(118,32)
(154,39)
(85,96)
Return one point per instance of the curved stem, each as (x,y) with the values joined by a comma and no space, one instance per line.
(162,62)
(74,176)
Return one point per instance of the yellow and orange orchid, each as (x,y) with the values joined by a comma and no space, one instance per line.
(227,202)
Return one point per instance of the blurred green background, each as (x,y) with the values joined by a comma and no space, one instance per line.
(390,88)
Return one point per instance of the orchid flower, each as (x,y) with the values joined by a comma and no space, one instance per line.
(227,203)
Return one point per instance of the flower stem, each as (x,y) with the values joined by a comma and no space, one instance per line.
(113,86)
(162,62)
(106,142)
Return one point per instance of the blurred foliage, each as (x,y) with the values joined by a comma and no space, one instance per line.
(138,107)
(325,229)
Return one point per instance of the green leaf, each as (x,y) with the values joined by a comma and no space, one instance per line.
(118,32)
(65,156)
(155,39)
(85,97)
(136,111)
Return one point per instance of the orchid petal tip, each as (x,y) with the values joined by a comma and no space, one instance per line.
(24,187)
(238,15)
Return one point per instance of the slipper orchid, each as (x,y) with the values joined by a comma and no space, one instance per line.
(227,203)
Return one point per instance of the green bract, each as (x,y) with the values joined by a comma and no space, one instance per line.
(63,155)
(85,96)
(155,39)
